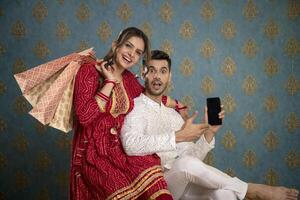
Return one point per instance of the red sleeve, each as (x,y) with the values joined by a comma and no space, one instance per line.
(85,89)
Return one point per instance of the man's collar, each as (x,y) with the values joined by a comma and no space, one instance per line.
(151,103)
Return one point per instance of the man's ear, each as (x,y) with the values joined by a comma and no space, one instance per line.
(144,72)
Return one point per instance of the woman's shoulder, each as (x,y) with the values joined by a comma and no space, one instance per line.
(88,68)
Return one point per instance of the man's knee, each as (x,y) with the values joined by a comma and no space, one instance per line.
(188,164)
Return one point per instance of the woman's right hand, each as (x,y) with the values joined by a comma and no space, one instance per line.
(108,72)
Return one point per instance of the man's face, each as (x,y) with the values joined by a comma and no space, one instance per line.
(157,77)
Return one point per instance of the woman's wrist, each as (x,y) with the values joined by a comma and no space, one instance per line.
(110,81)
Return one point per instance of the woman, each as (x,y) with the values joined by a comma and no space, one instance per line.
(103,95)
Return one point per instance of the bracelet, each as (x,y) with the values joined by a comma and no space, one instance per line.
(164,100)
(114,82)
(103,96)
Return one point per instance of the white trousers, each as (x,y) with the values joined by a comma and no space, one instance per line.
(191,179)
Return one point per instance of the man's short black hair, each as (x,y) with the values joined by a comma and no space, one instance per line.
(160,55)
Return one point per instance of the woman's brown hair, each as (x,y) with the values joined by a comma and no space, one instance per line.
(125,35)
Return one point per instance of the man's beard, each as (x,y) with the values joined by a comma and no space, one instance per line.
(154,93)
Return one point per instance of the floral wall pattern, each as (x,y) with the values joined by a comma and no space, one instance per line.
(245,51)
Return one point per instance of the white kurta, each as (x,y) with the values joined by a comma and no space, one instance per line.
(150,128)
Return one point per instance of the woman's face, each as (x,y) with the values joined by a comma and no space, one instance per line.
(130,52)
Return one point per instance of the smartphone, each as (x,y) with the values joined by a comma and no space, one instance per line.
(213,110)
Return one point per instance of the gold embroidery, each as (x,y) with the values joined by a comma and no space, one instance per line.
(43,161)
(250,159)
(292,47)
(158,193)
(104,31)
(291,122)
(271,177)
(166,12)
(41,50)
(18,30)
(250,48)
(207,11)
(2,88)
(83,12)
(3,125)
(187,67)
(21,180)
(271,29)
(3,161)
(292,159)
(271,103)
(39,11)
(104,2)
(229,67)
(249,122)
(61,1)
(229,140)
(147,29)
(20,105)
(250,10)
(63,179)
(228,29)
(293,9)
(207,85)
(124,12)
(20,143)
(271,141)
(2,49)
(271,66)
(139,184)
(43,194)
(100,103)
(83,45)
(229,103)
(64,142)
(19,66)
(207,49)
(120,101)
(1,12)
(146,2)
(62,31)
(292,85)
(167,47)
(249,85)
(186,30)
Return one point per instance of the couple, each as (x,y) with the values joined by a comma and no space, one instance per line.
(100,167)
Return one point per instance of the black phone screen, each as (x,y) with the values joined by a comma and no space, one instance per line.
(213,109)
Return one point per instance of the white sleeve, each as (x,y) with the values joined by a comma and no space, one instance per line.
(198,149)
(136,141)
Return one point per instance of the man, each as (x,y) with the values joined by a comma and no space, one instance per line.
(153,128)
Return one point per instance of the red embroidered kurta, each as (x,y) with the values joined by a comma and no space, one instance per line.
(100,169)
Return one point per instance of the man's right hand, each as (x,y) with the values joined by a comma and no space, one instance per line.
(190,131)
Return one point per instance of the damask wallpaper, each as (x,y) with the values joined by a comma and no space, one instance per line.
(245,51)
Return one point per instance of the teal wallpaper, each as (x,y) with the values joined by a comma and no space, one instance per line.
(245,51)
